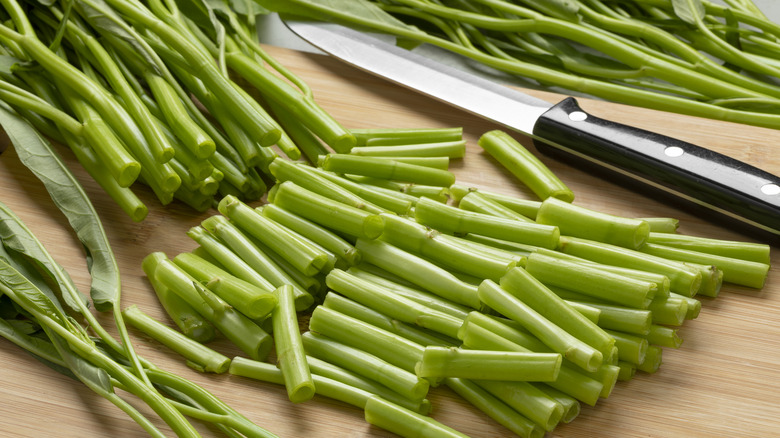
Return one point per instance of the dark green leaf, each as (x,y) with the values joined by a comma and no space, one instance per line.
(38,155)
(732,33)
(29,296)
(25,268)
(39,347)
(203,14)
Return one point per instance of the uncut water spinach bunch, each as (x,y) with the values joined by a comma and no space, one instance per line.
(690,57)
(142,93)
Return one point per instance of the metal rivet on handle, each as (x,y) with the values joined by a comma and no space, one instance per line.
(673,151)
(770,189)
(577,116)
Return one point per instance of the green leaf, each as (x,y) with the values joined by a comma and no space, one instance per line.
(39,347)
(689,11)
(732,34)
(29,296)
(203,14)
(26,269)
(38,155)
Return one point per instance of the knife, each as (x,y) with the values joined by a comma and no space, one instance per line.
(710,184)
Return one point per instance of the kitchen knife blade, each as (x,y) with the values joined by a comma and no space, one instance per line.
(711,184)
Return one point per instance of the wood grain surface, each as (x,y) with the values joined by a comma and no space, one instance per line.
(722,382)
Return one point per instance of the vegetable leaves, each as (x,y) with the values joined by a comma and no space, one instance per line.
(689,11)
(38,155)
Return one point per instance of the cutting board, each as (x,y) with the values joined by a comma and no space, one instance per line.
(722,382)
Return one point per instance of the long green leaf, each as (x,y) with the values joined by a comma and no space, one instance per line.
(37,154)
(40,348)
(29,296)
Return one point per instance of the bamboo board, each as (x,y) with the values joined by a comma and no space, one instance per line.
(722,382)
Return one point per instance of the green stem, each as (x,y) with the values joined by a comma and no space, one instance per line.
(663,336)
(290,354)
(327,239)
(136,386)
(394,202)
(240,244)
(244,333)
(454,220)
(208,402)
(198,356)
(189,321)
(624,319)
(569,381)
(418,271)
(367,365)
(585,223)
(307,178)
(24,99)
(525,166)
(495,407)
(326,212)
(591,281)
(405,422)
(252,301)
(387,169)
(357,334)
(683,279)
(380,319)
(400,136)
(307,259)
(631,348)
(525,207)
(453,149)
(274,88)
(560,341)
(477,202)
(452,253)
(325,386)
(741,272)
(228,259)
(192,136)
(427,299)
(326,369)
(532,292)
(398,307)
(528,400)
(442,362)
(754,252)
(258,125)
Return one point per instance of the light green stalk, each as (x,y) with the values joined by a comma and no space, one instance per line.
(290,354)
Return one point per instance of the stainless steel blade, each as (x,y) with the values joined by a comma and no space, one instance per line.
(471,93)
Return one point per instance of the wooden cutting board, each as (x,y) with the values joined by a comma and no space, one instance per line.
(722,382)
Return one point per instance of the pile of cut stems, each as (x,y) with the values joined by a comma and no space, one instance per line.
(148,94)
(527,309)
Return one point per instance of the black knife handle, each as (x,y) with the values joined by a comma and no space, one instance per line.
(718,187)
